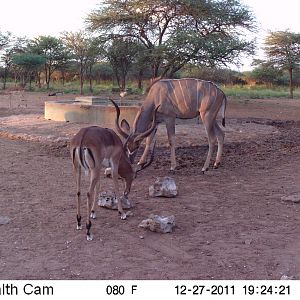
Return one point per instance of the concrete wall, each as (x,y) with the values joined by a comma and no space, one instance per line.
(102,115)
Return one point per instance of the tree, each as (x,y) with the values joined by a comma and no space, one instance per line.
(84,51)
(265,72)
(175,33)
(13,46)
(121,54)
(53,51)
(4,39)
(28,63)
(283,51)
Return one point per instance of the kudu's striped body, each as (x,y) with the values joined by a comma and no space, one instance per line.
(93,148)
(184,99)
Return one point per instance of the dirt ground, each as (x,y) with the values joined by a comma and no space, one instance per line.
(231,223)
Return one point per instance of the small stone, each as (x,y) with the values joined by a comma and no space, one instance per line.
(286,277)
(163,187)
(248,242)
(109,200)
(162,224)
(141,237)
(291,198)
(4,220)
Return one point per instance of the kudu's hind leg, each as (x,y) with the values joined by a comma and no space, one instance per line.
(210,131)
(220,137)
(170,125)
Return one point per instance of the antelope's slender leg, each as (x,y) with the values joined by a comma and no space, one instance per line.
(170,125)
(77,171)
(149,140)
(220,137)
(115,176)
(208,122)
(95,176)
(97,189)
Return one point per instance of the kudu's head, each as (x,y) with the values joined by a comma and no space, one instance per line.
(134,139)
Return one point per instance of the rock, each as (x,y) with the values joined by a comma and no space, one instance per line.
(292,198)
(163,187)
(162,224)
(109,200)
(286,277)
(4,220)
(248,242)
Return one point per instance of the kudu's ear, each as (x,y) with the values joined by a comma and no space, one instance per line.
(125,126)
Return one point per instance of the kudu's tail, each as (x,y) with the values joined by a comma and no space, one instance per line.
(223,109)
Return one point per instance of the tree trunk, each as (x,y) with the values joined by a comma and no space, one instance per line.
(5,78)
(81,79)
(291,83)
(90,79)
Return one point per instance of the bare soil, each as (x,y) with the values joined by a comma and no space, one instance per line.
(231,223)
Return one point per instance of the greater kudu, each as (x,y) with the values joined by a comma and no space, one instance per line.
(183,99)
(94,147)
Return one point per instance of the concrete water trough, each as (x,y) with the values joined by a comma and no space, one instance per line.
(90,110)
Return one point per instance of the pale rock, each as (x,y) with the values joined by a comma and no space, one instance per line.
(109,200)
(4,220)
(163,187)
(162,224)
(286,277)
(291,198)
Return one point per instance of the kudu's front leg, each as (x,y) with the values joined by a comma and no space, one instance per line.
(149,140)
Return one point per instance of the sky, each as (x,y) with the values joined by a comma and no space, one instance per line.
(32,18)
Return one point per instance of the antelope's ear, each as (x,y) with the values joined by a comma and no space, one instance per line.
(125,126)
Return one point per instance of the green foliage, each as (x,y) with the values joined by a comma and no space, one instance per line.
(218,75)
(53,51)
(175,33)
(283,51)
(258,92)
(28,64)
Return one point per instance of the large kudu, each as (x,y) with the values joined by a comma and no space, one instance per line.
(183,99)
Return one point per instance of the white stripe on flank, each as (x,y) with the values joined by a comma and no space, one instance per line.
(175,96)
(197,87)
(184,100)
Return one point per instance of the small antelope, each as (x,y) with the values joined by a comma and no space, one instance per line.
(94,147)
(183,99)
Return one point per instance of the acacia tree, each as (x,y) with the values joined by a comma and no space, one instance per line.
(53,51)
(4,39)
(28,64)
(283,51)
(174,32)
(13,46)
(83,50)
(121,53)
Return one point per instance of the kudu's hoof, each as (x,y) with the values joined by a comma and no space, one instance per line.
(79,227)
(204,170)
(216,165)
